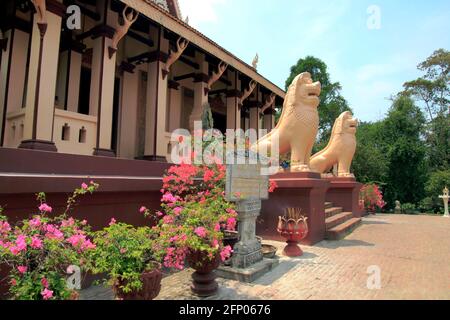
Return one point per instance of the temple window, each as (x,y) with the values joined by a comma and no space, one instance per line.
(82,135)
(65,134)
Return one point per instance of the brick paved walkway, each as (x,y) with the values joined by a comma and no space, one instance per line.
(412,252)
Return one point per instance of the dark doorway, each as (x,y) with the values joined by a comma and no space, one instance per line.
(220,122)
(115,120)
(85,91)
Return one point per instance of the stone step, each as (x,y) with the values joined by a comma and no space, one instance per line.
(328,205)
(341,231)
(333,211)
(337,219)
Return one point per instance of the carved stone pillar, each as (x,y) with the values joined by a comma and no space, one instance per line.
(233,95)
(102,90)
(155,128)
(12,82)
(174,105)
(41,86)
(200,90)
(269,120)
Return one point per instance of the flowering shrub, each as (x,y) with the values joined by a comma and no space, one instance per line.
(124,253)
(372,197)
(40,249)
(194,214)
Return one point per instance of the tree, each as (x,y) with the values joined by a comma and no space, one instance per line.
(433,189)
(332,103)
(402,133)
(370,163)
(433,92)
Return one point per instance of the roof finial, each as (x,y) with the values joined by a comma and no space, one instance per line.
(255,61)
(186,20)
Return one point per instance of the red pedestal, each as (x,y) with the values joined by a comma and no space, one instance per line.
(344,192)
(292,249)
(305,190)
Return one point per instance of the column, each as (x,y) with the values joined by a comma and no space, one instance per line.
(155,128)
(200,86)
(41,86)
(102,91)
(233,109)
(12,81)
(127,140)
(175,102)
(254,115)
(73,90)
(269,120)
(68,81)
(255,105)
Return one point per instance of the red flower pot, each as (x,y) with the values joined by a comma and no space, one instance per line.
(204,278)
(151,286)
(294,231)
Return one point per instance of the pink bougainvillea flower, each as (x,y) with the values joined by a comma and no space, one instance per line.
(22,269)
(168,219)
(53,232)
(123,250)
(35,222)
(217,227)
(21,242)
(4,227)
(201,232)
(47,294)
(45,208)
(226,253)
(169,198)
(142,209)
(84,186)
(13,282)
(36,243)
(44,282)
(272,186)
(209,174)
(112,222)
(177,211)
(68,223)
(231,224)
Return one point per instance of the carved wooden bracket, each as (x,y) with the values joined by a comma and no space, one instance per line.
(41,10)
(128,19)
(182,44)
(269,103)
(247,92)
(216,76)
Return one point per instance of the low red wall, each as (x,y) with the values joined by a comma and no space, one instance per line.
(295,190)
(125,186)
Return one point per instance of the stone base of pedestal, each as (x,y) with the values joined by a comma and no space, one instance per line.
(249,274)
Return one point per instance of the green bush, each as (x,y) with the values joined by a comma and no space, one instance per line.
(409,208)
(433,189)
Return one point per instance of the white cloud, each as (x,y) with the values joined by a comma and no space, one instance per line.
(396,64)
(200,11)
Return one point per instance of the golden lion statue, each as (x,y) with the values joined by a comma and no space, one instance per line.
(299,122)
(340,149)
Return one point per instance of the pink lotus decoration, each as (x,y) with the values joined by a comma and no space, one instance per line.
(294,227)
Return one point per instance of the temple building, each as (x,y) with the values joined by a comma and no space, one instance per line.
(91,90)
(115,78)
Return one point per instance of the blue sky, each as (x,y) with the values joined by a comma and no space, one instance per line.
(370,64)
